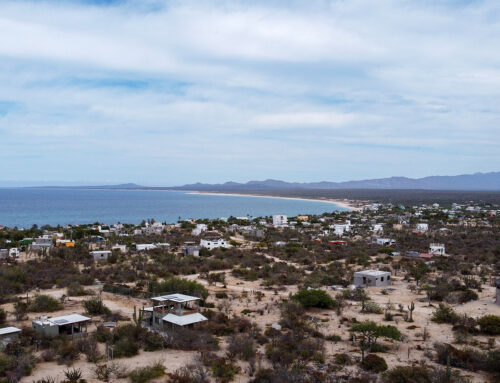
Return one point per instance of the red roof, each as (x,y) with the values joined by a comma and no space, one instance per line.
(426,255)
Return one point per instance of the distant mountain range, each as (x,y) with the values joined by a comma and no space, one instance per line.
(476,182)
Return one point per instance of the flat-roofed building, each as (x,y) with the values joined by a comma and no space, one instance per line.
(372,278)
(71,325)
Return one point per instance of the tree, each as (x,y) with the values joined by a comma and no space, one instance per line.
(419,271)
(314,298)
(369,332)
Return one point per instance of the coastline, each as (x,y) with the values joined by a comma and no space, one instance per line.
(340,203)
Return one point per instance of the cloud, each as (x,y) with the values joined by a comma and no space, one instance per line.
(181,91)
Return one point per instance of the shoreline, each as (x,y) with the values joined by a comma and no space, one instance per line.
(340,203)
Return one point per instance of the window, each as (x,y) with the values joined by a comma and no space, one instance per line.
(388,277)
(382,279)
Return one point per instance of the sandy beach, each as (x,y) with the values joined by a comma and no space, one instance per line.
(345,204)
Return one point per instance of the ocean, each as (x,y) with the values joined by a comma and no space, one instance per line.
(24,207)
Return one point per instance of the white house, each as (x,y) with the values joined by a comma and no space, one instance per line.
(200,228)
(437,249)
(385,241)
(100,255)
(145,246)
(280,220)
(213,243)
(377,227)
(422,227)
(14,252)
(340,228)
(121,248)
(8,335)
(72,325)
(372,278)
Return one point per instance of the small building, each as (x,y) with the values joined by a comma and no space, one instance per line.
(170,311)
(65,243)
(412,254)
(189,248)
(8,335)
(200,228)
(385,241)
(145,246)
(100,255)
(213,243)
(422,227)
(121,248)
(4,253)
(71,325)
(377,228)
(372,278)
(437,249)
(280,220)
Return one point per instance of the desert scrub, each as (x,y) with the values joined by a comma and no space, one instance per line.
(374,363)
(489,324)
(44,303)
(445,314)
(315,298)
(372,308)
(95,306)
(145,374)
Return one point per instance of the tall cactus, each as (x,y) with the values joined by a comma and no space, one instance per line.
(411,307)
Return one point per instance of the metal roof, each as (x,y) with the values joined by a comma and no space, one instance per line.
(179,298)
(372,273)
(9,330)
(64,320)
(183,320)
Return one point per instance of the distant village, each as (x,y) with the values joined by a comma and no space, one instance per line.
(367,295)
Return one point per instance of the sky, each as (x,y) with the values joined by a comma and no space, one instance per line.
(164,93)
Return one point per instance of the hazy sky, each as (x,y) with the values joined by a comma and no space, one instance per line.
(172,92)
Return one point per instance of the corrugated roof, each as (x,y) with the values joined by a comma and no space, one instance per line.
(179,298)
(184,320)
(9,330)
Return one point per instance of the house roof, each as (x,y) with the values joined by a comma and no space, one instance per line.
(64,320)
(184,320)
(9,330)
(179,298)
(426,255)
(372,273)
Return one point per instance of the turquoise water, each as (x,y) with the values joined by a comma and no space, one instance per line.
(23,207)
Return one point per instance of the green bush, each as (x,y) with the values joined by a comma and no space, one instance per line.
(76,290)
(44,303)
(315,298)
(125,348)
(372,308)
(95,306)
(374,363)
(490,324)
(3,316)
(407,374)
(180,285)
(145,374)
(445,314)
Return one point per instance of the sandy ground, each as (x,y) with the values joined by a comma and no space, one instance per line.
(346,204)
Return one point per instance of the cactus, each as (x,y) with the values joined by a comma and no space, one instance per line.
(411,307)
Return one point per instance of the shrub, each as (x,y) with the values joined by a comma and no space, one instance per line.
(76,290)
(67,353)
(95,306)
(445,314)
(125,348)
(179,284)
(44,303)
(490,324)
(73,375)
(314,298)
(242,346)
(355,295)
(89,348)
(407,374)
(145,374)
(3,316)
(374,363)
(372,307)
(342,359)
(223,370)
